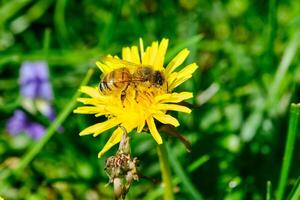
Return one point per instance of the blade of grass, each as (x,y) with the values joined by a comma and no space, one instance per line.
(197,163)
(271,31)
(46,41)
(283,67)
(10,8)
(31,153)
(269,190)
(289,148)
(192,191)
(21,23)
(295,193)
(60,23)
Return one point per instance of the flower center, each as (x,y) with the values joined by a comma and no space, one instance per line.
(142,93)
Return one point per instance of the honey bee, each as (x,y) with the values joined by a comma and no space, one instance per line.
(121,78)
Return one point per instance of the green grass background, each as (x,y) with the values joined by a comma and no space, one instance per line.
(249,74)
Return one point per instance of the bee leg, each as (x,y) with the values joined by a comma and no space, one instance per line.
(136,93)
(123,93)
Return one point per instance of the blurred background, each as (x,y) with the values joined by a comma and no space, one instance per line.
(249,73)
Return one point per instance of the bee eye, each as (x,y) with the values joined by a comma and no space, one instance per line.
(160,81)
(159,78)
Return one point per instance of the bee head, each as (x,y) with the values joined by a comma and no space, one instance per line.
(158,78)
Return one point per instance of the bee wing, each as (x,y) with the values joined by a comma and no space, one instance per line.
(118,61)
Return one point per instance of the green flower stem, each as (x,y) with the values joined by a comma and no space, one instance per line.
(31,153)
(165,172)
(289,148)
(180,172)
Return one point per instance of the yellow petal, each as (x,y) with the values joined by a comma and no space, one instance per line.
(113,62)
(188,70)
(183,75)
(126,54)
(140,126)
(174,107)
(178,82)
(141,48)
(178,60)
(153,53)
(89,101)
(104,68)
(92,92)
(98,128)
(162,49)
(146,57)
(153,130)
(88,110)
(114,139)
(166,119)
(173,97)
(135,58)
(170,79)
(107,125)
(102,113)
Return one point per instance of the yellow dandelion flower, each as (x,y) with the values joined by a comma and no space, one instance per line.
(135,103)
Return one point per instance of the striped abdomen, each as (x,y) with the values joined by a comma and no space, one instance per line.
(117,79)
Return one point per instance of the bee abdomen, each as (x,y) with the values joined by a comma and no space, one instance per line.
(103,86)
(117,79)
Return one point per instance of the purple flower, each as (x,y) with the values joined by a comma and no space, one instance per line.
(37,96)
(34,81)
(19,123)
(35,130)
